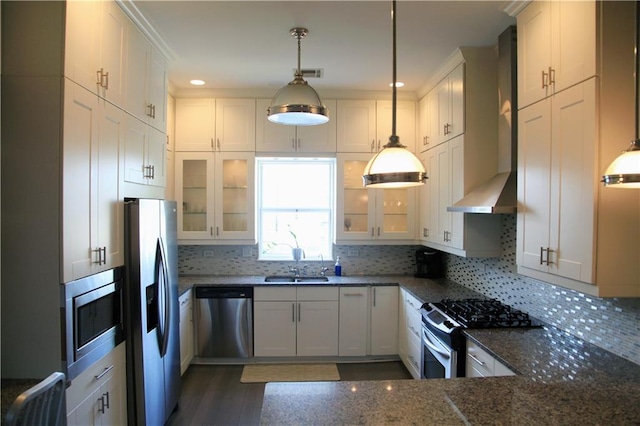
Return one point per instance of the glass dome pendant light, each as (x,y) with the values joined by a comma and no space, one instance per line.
(624,171)
(297,103)
(395,166)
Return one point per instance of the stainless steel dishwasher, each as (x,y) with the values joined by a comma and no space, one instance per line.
(224,322)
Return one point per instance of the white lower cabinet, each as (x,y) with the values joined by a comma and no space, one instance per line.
(368,321)
(384,320)
(295,321)
(186,330)
(98,395)
(354,321)
(481,364)
(409,326)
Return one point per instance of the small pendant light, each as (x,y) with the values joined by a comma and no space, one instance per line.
(395,166)
(624,171)
(297,103)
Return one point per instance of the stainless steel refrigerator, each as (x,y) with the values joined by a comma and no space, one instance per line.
(152,312)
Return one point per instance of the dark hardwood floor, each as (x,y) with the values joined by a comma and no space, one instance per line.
(213,394)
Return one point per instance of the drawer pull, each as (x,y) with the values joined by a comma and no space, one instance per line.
(352,294)
(105,371)
(479,361)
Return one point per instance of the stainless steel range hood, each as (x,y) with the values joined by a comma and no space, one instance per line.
(499,194)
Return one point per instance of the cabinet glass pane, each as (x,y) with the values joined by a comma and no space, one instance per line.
(356,197)
(194,192)
(395,210)
(234,195)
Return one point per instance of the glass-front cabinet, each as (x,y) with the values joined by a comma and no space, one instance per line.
(215,194)
(371,214)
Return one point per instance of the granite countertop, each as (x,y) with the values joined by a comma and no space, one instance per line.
(560,379)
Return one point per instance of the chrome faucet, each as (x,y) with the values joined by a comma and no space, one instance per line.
(323,268)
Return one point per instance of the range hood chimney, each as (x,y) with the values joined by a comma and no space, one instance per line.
(499,194)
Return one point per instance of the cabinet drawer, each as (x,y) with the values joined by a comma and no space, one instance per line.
(479,360)
(87,382)
(318,293)
(274,293)
(414,357)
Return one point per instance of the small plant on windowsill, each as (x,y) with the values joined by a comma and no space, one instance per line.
(296,251)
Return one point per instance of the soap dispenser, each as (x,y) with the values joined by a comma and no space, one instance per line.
(337,270)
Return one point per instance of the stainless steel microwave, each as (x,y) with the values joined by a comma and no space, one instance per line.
(93,318)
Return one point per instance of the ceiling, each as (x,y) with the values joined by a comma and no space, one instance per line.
(246,44)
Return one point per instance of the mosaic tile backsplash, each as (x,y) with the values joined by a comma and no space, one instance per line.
(612,323)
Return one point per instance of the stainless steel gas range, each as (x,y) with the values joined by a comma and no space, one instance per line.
(443,343)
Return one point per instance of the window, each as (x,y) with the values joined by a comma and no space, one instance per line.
(295,207)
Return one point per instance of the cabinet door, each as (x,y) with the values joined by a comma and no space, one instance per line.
(138,59)
(194,191)
(136,143)
(234,203)
(82,35)
(186,331)
(395,213)
(353,215)
(317,333)
(109,208)
(443,179)
(112,59)
(573,154)
(405,123)
(195,124)
(157,82)
(113,409)
(432,221)
(534,184)
(354,321)
(573,43)
(424,199)
(384,320)
(235,125)
(156,157)
(275,328)
(456,101)
(534,57)
(272,137)
(356,126)
(80,136)
(321,138)
(87,414)
(424,132)
(455,148)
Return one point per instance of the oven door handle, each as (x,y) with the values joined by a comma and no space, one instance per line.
(430,345)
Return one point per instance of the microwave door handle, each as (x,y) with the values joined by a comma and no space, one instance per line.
(164,309)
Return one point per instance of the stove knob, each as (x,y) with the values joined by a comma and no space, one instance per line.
(448,324)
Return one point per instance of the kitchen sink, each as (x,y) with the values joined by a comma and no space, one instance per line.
(290,279)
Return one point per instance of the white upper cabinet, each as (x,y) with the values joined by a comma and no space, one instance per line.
(366,214)
(210,125)
(461,154)
(572,231)
(278,138)
(557,47)
(195,124)
(235,125)
(96,34)
(146,82)
(143,158)
(365,126)
(93,225)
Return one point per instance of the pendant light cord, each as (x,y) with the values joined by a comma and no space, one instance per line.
(393,90)
(299,72)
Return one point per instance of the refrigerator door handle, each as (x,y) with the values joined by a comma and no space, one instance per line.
(163,308)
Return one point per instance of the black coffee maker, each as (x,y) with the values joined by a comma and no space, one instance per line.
(428,263)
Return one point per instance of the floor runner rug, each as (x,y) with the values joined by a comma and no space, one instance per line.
(262,373)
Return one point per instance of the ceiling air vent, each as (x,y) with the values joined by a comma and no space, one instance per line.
(311,72)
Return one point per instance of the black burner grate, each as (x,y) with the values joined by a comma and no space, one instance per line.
(485,313)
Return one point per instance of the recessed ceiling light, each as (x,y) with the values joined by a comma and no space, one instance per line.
(398,84)
(197,82)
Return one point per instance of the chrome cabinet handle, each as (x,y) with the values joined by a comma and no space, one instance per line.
(545,82)
(414,331)
(293,312)
(299,316)
(105,371)
(544,261)
(374,297)
(552,76)
(218,143)
(103,78)
(102,255)
(373,144)
(473,357)
(413,361)
(212,143)
(353,294)
(106,395)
